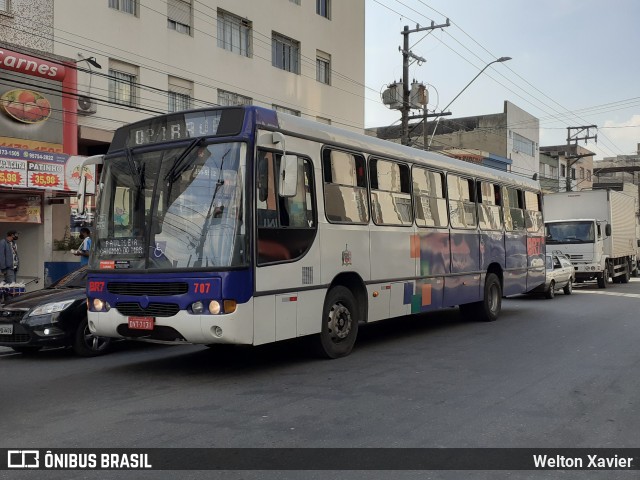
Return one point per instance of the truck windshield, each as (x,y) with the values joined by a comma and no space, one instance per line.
(172,208)
(569,232)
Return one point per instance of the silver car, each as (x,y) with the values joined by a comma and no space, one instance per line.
(560,275)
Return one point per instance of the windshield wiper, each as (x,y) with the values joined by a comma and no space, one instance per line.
(132,167)
(177,167)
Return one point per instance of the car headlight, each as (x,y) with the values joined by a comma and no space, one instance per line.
(49,308)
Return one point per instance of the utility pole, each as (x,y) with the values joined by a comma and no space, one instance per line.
(406,55)
(574,137)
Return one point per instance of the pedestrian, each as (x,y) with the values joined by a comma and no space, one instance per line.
(9,256)
(83,251)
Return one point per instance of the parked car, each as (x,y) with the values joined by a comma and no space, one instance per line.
(560,275)
(55,316)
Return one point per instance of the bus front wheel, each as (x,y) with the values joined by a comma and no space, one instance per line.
(340,317)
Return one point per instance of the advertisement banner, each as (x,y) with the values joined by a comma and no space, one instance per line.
(20,208)
(42,170)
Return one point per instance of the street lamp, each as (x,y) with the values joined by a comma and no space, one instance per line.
(499,60)
(90,60)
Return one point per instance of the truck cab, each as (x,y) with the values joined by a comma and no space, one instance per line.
(583,241)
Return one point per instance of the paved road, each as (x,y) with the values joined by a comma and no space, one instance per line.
(548,373)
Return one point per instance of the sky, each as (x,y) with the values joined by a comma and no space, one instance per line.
(574,63)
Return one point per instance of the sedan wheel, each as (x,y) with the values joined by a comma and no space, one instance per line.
(568,288)
(86,344)
(551,292)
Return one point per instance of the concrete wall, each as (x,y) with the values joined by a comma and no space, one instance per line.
(29,24)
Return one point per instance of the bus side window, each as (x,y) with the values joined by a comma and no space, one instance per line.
(429,198)
(345,187)
(490,217)
(390,193)
(513,209)
(533,213)
(462,205)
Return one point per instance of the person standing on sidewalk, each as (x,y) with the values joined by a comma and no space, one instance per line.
(9,256)
(83,251)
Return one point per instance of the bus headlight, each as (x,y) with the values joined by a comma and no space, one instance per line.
(100,306)
(197,307)
(214,307)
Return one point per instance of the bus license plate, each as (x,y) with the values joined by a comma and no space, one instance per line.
(6,329)
(141,323)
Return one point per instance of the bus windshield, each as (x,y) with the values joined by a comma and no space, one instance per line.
(177,207)
(570,232)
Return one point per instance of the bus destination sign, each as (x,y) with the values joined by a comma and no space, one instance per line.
(180,126)
(112,247)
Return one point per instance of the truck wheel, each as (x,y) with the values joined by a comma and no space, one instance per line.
(339,329)
(602,279)
(624,278)
(551,291)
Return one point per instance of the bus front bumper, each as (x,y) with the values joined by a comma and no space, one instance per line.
(234,328)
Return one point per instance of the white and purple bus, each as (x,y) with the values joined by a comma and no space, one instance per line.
(242,225)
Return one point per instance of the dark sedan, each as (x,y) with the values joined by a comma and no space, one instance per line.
(55,316)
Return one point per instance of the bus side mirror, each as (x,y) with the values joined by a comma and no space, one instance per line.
(82,188)
(288,184)
(607,230)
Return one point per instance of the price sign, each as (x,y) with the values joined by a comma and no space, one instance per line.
(11,178)
(46,180)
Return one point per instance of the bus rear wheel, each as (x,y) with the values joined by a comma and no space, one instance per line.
(340,317)
(488,309)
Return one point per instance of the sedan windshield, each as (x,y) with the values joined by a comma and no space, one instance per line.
(173,208)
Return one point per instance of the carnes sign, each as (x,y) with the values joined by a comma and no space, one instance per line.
(18,62)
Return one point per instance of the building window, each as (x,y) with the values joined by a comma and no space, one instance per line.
(5,6)
(285,53)
(123,83)
(126,6)
(326,121)
(297,2)
(234,33)
(323,67)
(179,16)
(573,174)
(553,171)
(588,175)
(290,111)
(323,8)
(522,145)
(581,173)
(230,99)
(563,170)
(180,94)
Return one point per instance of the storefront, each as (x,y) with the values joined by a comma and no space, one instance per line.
(39,169)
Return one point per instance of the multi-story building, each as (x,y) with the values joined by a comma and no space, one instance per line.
(619,169)
(563,168)
(510,139)
(94,65)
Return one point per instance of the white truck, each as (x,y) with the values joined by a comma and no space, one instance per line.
(596,229)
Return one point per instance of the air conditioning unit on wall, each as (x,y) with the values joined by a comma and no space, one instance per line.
(86,105)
